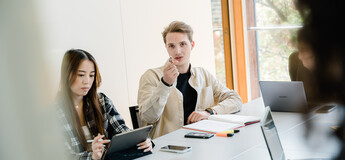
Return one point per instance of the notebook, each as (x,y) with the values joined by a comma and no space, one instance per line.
(272,139)
(219,123)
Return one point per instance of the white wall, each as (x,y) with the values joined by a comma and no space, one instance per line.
(125,38)
(95,27)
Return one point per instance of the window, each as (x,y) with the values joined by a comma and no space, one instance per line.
(218,40)
(271,28)
(221,35)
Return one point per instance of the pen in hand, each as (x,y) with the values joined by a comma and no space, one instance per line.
(172,61)
(90,141)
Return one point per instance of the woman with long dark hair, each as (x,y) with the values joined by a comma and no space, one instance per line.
(85,113)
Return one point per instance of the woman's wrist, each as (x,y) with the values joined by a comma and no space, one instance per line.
(93,156)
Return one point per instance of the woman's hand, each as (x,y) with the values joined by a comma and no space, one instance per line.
(147,145)
(98,146)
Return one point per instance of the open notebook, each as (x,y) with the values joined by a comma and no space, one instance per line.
(219,123)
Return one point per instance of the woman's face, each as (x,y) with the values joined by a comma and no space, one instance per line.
(84,78)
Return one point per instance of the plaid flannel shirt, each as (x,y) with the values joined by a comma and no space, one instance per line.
(113,124)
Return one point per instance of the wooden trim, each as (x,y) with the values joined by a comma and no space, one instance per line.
(226,42)
(252,52)
(240,50)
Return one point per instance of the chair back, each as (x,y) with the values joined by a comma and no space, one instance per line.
(134,111)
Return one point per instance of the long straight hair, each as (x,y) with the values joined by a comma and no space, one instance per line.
(69,68)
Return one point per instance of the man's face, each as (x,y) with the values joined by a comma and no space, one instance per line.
(306,56)
(179,47)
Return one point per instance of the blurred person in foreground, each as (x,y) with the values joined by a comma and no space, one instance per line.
(323,19)
(85,113)
(301,67)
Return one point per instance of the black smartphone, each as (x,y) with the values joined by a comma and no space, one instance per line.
(198,135)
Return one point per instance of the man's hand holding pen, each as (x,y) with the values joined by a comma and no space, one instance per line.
(170,72)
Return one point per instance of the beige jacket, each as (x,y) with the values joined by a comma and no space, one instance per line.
(162,106)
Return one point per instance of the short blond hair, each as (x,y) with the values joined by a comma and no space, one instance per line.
(180,27)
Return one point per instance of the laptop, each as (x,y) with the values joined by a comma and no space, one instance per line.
(284,96)
(272,139)
(271,136)
(289,96)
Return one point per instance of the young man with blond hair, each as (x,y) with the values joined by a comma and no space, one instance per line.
(177,94)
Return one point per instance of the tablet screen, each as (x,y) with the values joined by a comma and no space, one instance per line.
(129,139)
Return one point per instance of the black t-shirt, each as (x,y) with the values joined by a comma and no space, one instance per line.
(189,94)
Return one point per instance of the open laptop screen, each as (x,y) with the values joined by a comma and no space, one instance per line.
(270,133)
(284,96)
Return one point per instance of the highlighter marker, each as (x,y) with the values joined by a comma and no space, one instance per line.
(232,131)
(229,134)
(222,134)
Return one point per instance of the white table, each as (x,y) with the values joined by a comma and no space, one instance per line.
(250,144)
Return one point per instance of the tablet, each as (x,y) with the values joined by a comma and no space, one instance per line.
(129,139)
